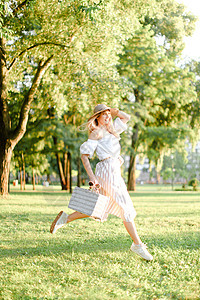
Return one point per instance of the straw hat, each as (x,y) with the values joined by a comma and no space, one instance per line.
(99,108)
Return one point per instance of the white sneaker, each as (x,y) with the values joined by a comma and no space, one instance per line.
(59,222)
(141,251)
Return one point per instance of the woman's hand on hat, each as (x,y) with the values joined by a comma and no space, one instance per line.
(114,112)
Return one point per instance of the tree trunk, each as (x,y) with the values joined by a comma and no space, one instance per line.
(132,164)
(79,171)
(66,170)
(134,145)
(61,173)
(60,167)
(48,178)
(158,177)
(159,163)
(6,146)
(131,174)
(24,172)
(21,179)
(9,182)
(65,164)
(70,172)
(8,137)
(5,155)
(33,180)
(36,178)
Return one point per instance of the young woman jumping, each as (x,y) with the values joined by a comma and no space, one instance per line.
(104,139)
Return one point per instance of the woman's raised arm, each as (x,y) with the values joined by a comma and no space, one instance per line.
(115,112)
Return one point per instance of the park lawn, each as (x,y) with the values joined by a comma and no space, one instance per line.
(92,260)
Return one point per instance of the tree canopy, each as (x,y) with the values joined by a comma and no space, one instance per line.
(62,56)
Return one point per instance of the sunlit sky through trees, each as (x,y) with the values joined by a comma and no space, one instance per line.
(192,48)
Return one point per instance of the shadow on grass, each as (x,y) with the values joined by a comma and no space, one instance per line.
(165,194)
(38,193)
(63,193)
(56,198)
(61,245)
(146,194)
(36,198)
(119,243)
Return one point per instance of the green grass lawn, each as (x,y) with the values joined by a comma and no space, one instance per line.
(92,260)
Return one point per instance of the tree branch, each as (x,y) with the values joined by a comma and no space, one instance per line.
(19,6)
(18,133)
(31,47)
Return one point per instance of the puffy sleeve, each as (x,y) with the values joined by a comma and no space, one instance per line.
(89,147)
(119,125)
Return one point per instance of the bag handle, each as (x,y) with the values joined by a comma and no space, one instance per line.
(94,187)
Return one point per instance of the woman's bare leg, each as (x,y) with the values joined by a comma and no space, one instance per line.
(138,247)
(75,216)
(62,219)
(131,228)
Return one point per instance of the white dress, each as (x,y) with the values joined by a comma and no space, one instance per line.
(108,172)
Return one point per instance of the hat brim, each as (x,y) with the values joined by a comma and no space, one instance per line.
(97,113)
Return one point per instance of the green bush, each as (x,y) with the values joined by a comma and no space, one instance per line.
(184,190)
(194,183)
